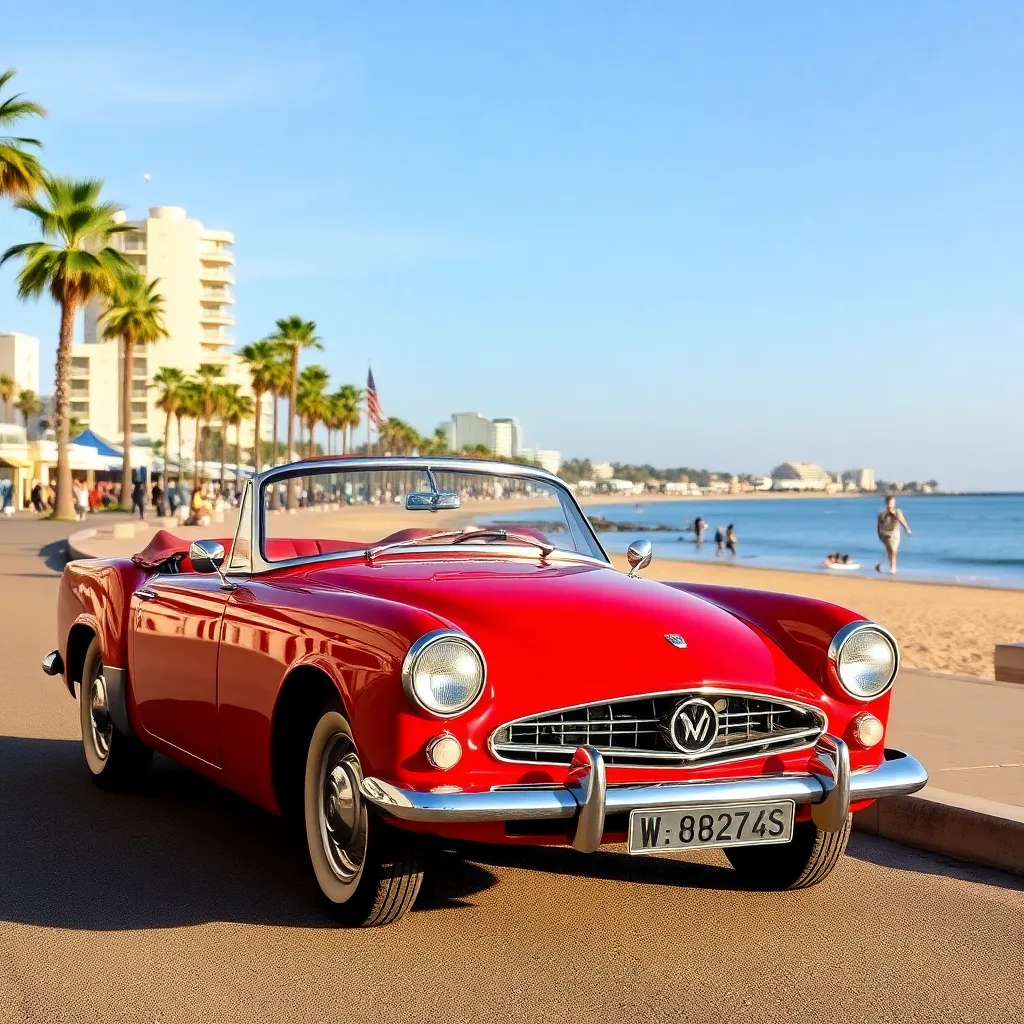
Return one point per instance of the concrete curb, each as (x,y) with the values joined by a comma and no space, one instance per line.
(75,542)
(965,827)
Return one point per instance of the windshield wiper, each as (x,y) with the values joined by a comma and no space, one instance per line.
(460,537)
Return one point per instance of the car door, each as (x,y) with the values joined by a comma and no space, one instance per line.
(176,624)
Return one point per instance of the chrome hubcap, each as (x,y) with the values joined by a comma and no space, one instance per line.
(102,726)
(342,813)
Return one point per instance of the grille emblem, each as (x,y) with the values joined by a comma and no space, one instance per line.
(675,639)
(694,726)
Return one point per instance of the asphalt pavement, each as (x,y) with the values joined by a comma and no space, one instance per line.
(182,903)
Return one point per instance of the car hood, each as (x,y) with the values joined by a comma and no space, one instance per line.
(561,634)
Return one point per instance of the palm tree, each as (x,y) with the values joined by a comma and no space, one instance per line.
(204,400)
(75,267)
(28,405)
(21,174)
(278,381)
(136,316)
(313,404)
(170,381)
(294,334)
(239,409)
(261,357)
(7,387)
(350,401)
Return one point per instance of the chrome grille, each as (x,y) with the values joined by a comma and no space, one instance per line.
(637,731)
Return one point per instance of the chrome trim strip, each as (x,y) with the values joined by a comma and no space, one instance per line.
(899,773)
(835,649)
(716,691)
(418,647)
(658,755)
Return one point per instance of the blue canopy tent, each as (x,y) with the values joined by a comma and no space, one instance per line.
(102,446)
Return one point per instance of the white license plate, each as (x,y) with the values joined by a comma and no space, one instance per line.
(694,828)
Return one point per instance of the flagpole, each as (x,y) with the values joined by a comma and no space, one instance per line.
(367,397)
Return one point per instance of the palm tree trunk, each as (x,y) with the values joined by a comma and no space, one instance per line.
(200,459)
(223,452)
(127,368)
(293,395)
(257,455)
(178,416)
(275,497)
(167,451)
(238,457)
(65,498)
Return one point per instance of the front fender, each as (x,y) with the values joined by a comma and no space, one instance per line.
(801,627)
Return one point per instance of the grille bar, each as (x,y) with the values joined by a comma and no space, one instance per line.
(637,730)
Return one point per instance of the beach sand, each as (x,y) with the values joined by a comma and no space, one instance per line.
(944,628)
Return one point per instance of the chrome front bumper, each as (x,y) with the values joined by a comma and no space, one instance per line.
(830,787)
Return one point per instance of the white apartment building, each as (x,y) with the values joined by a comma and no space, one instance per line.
(19,360)
(194,266)
(509,434)
(547,458)
(602,470)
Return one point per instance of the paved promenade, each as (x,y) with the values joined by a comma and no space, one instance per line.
(185,904)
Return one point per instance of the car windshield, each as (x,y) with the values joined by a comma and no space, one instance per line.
(314,511)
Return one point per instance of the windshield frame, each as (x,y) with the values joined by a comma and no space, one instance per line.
(483,467)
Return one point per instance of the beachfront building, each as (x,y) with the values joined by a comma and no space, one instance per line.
(19,360)
(602,470)
(502,436)
(546,458)
(800,476)
(194,266)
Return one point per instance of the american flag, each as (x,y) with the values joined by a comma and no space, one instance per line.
(373,410)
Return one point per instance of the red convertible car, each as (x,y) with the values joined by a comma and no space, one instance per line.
(394,649)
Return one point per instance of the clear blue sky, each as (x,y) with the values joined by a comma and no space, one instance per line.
(683,233)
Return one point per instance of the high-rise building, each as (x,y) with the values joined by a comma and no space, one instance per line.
(194,267)
(468,429)
(511,434)
(19,360)
(547,458)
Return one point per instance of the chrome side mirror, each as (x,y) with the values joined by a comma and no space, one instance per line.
(206,556)
(639,555)
(432,501)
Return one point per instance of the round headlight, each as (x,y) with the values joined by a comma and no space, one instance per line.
(443,673)
(865,658)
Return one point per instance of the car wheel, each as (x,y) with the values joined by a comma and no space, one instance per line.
(115,761)
(369,873)
(804,861)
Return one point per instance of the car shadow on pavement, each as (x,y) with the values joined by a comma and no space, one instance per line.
(55,556)
(181,851)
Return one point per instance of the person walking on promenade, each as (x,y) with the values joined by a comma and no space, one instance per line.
(139,499)
(37,497)
(890,520)
(158,498)
(730,540)
(81,499)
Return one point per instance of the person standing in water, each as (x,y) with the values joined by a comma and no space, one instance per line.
(890,520)
(730,540)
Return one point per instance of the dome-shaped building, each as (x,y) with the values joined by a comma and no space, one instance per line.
(800,476)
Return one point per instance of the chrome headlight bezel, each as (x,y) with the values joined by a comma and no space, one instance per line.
(415,653)
(835,657)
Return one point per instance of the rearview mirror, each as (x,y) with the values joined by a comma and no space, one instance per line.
(432,501)
(206,556)
(639,555)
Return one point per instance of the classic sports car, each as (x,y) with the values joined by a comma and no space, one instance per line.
(401,648)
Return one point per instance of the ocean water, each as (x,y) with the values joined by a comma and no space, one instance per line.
(968,539)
